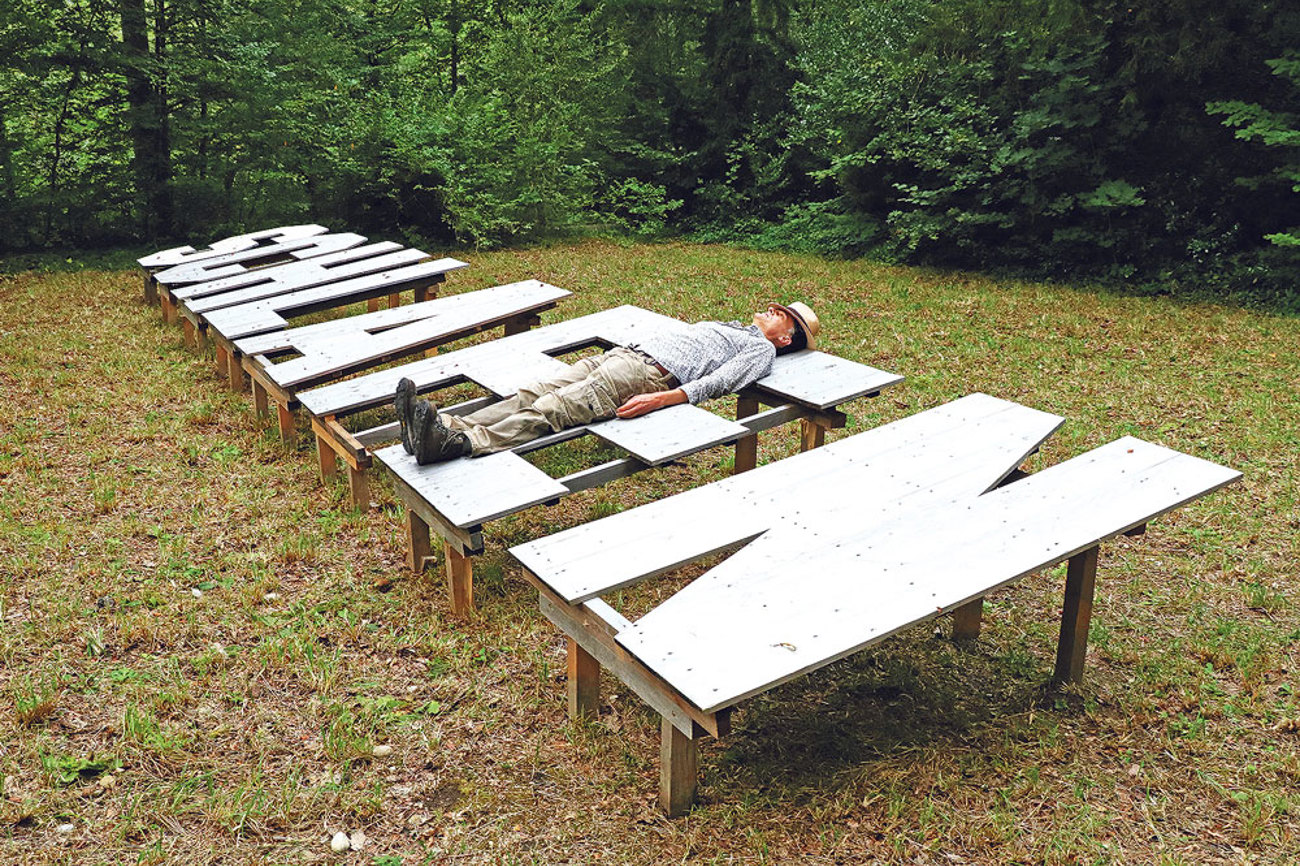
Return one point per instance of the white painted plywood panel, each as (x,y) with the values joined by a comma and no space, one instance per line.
(267,282)
(473,490)
(353,343)
(230,264)
(668,433)
(238,243)
(967,446)
(245,320)
(817,379)
(790,602)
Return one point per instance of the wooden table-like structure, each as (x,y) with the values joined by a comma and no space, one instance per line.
(838,548)
(168,270)
(456,498)
(282,364)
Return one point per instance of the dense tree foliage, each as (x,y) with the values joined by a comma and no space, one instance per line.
(1142,142)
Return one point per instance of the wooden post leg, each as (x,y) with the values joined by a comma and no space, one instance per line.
(460,580)
(966,620)
(520,324)
(746,447)
(359,488)
(678,770)
(1076,615)
(222,359)
(813,435)
(288,420)
(421,294)
(394,301)
(327,459)
(418,548)
(150,289)
(260,403)
(372,305)
(168,308)
(190,336)
(234,373)
(584,683)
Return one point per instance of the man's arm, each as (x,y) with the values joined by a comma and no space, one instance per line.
(642,404)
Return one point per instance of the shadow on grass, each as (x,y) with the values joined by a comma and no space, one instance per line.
(919,692)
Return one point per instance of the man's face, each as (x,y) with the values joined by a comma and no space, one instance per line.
(776,324)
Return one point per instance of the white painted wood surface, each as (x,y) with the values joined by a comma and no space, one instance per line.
(269,314)
(472,491)
(857,540)
(258,283)
(822,381)
(329,349)
(238,243)
(230,264)
(970,444)
(503,366)
(668,433)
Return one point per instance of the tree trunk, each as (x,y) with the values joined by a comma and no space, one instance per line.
(56,157)
(161,188)
(453,24)
(149,136)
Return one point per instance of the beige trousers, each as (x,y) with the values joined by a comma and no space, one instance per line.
(588,391)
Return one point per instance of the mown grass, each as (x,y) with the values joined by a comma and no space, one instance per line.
(200,646)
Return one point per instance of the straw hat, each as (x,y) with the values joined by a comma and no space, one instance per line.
(805,320)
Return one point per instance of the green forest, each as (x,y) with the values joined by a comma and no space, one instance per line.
(1154,145)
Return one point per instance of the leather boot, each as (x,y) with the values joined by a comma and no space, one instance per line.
(433,442)
(404,404)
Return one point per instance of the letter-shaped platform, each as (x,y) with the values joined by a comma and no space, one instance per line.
(328,351)
(840,547)
(456,498)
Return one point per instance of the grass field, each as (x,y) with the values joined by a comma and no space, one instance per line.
(201,646)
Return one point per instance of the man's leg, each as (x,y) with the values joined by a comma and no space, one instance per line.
(523,398)
(611,380)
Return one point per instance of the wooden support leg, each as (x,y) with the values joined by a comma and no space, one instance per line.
(421,294)
(190,335)
(327,459)
(359,488)
(288,420)
(418,548)
(460,580)
(966,620)
(1080,578)
(168,308)
(678,770)
(394,301)
(584,683)
(260,403)
(150,290)
(372,305)
(813,435)
(521,324)
(747,447)
(234,373)
(222,359)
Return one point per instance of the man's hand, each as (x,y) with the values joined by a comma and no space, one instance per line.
(644,403)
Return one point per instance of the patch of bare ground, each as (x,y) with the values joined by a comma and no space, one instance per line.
(208,657)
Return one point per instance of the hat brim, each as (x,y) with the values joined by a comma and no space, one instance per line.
(809,339)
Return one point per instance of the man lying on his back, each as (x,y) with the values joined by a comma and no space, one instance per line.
(704,361)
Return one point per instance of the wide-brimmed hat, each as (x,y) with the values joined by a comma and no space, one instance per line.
(805,320)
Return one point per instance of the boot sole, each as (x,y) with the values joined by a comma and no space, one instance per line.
(404,404)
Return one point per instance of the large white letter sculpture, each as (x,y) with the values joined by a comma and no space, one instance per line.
(846,544)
